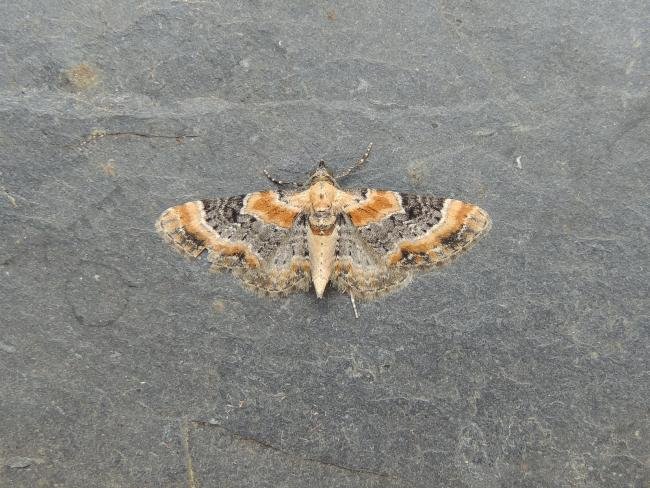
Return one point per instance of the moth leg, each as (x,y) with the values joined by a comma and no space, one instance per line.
(354,305)
(358,164)
(280,182)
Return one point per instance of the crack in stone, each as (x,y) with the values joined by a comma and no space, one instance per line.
(267,445)
(138,134)
(100,134)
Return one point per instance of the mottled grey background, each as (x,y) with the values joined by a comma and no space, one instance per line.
(523,364)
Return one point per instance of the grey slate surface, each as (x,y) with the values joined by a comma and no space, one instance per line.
(524,364)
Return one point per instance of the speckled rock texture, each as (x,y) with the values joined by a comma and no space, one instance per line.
(523,364)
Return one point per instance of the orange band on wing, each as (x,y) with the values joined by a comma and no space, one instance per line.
(377,206)
(267,207)
(185,227)
(458,218)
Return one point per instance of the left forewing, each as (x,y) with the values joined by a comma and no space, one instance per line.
(413,231)
(241,231)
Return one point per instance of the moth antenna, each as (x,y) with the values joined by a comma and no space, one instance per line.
(356,165)
(280,182)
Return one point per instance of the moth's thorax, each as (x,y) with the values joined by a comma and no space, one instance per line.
(322,215)
(322,195)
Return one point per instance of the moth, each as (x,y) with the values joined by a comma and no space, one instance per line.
(364,242)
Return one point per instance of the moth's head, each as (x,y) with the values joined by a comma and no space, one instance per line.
(322,173)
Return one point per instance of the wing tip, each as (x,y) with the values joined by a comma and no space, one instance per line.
(172,227)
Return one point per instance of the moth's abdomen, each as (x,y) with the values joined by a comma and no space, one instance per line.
(322,254)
